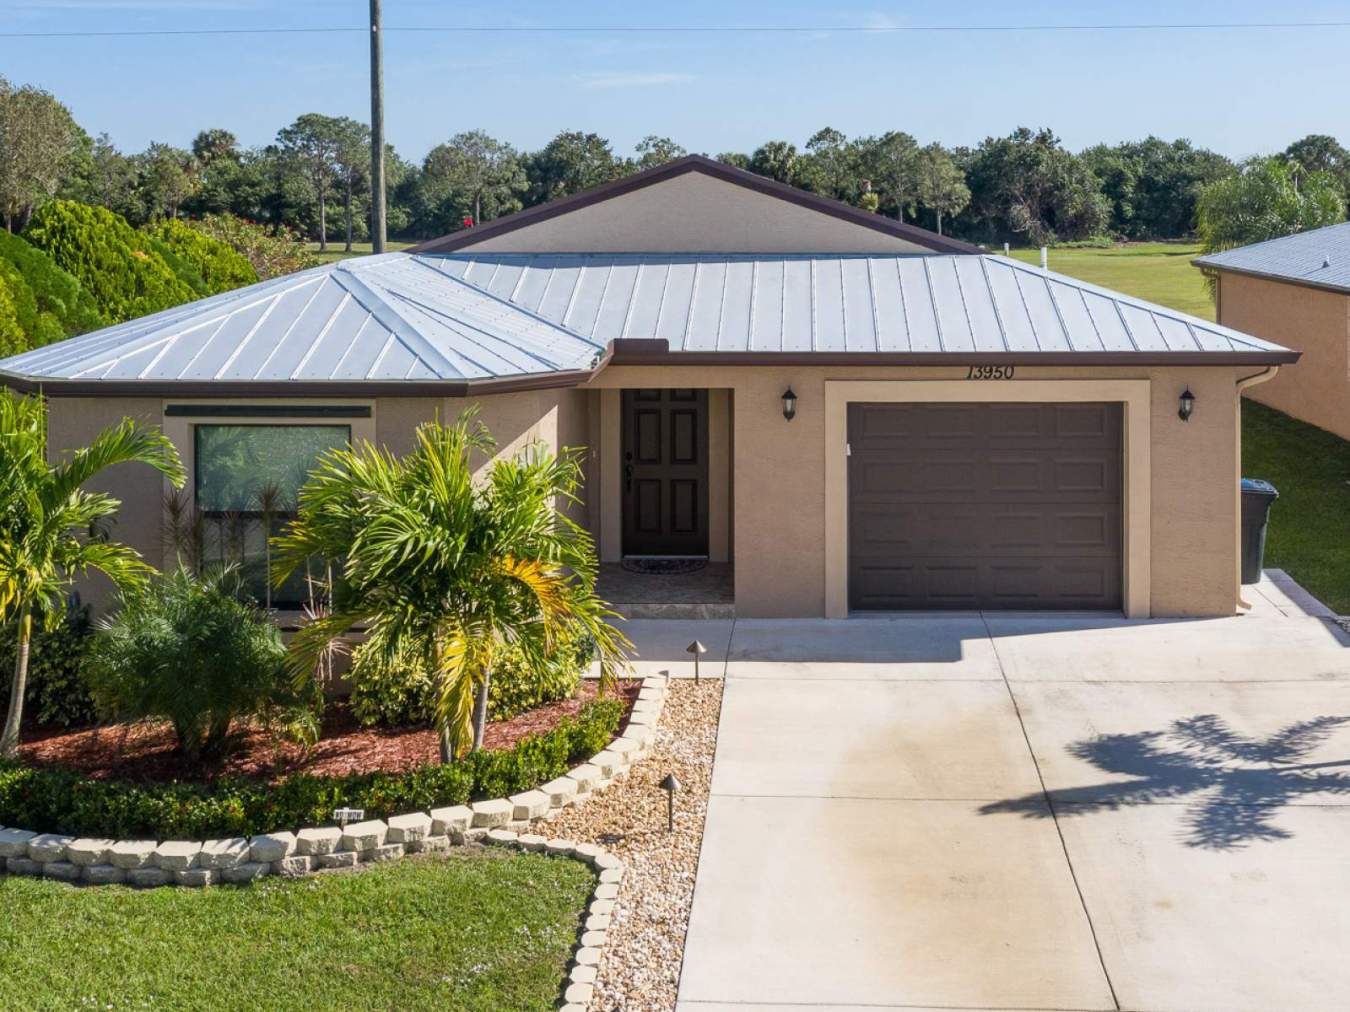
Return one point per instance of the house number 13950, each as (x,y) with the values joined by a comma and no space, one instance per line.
(990,372)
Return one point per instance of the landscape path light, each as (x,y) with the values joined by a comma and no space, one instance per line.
(696,649)
(670,785)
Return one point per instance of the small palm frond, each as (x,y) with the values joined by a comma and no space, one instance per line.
(126,442)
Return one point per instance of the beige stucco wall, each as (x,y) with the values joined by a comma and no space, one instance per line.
(777,535)
(779,531)
(694,213)
(1314,321)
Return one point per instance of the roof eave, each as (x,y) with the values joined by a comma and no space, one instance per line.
(693,163)
(912,358)
(1321,286)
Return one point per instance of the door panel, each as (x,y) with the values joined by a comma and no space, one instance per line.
(985,506)
(665,472)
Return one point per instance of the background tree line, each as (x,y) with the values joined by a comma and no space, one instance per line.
(1025,187)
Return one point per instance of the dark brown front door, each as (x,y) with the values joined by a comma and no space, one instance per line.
(665,472)
(985,506)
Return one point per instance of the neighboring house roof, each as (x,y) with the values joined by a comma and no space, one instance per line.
(921,237)
(402,323)
(1320,257)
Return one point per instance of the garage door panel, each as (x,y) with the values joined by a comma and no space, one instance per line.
(1018,506)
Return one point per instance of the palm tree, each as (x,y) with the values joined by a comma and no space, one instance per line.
(443,569)
(50,526)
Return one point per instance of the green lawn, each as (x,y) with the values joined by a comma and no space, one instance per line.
(359,249)
(479,929)
(1158,271)
(1310,524)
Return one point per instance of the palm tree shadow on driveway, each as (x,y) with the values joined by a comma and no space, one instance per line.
(1236,786)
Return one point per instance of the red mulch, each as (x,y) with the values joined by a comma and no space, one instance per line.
(145,751)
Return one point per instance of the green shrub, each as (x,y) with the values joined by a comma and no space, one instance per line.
(12,337)
(125,270)
(64,306)
(271,252)
(404,697)
(57,695)
(61,801)
(188,650)
(215,261)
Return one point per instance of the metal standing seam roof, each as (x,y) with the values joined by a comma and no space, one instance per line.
(403,318)
(1317,257)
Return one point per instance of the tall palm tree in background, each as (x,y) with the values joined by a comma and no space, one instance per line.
(50,526)
(443,569)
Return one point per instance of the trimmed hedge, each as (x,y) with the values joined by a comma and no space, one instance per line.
(216,262)
(12,337)
(60,801)
(127,271)
(64,307)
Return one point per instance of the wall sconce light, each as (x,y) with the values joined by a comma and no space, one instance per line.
(789,404)
(1187,405)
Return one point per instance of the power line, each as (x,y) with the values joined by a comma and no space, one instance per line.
(689,29)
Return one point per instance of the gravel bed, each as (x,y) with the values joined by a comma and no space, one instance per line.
(641,967)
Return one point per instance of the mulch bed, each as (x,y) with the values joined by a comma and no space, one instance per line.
(146,750)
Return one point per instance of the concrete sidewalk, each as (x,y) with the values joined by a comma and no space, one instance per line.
(1030,812)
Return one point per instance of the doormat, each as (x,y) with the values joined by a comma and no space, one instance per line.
(664,567)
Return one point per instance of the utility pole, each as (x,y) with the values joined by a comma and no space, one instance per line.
(377,216)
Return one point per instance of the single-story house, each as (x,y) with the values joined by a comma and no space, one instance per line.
(1295,290)
(846,412)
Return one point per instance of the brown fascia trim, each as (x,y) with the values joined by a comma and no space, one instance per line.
(1282,279)
(694,163)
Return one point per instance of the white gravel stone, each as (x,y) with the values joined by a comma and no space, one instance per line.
(341,859)
(585,776)
(48,847)
(268,848)
(294,866)
(387,852)
(246,872)
(315,842)
(491,814)
(196,878)
(62,870)
(86,852)
(409,828)
(529,805)
(177,855)
(14,842)
(104,874)
(131,854)
(148,877)
(364,836)
(220,855)
(448,821)
(562,791)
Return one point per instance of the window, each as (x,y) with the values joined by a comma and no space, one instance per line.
(238,469)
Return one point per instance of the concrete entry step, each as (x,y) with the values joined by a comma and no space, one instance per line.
(675,609)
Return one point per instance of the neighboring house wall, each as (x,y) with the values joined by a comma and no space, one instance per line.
(694,213)
(1314,321)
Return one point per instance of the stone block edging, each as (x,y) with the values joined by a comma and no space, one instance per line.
(196,863)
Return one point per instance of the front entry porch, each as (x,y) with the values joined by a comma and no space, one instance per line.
(706,593)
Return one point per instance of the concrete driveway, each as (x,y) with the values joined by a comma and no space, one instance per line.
(1033,813)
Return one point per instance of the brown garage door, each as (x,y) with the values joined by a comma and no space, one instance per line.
(984,506)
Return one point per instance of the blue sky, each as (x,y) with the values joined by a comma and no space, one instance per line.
(1240,92)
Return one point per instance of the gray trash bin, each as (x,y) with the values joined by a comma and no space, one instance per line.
(1257,497)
